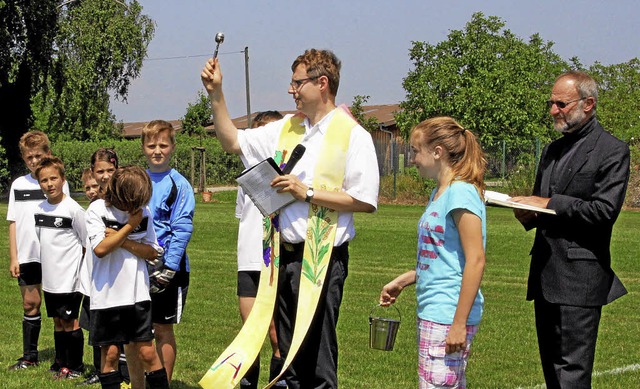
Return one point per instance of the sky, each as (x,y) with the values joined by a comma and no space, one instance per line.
(372,39)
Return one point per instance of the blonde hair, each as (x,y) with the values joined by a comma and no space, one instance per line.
(154,127)
(464,153)
(34,140)
(87,175)
(47,162)
(129,189)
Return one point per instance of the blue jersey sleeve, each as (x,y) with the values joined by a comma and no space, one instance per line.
(173,206)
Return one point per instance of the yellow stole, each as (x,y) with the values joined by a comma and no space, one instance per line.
(233,363)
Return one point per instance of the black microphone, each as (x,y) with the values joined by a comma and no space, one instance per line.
(296,154)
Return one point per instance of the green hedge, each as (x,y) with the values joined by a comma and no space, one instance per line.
(221,167)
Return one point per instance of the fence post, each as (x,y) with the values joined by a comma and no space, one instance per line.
(503,164)
(193,168)
(393,167)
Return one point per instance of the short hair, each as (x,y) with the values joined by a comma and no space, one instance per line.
(34,140)
(464,154)
(586,86)
(129,189)
(48,162)
(154,127)
(104,155)
(321,63)
(265,117)
(87,175)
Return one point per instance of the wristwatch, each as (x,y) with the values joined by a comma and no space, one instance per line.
(309,195)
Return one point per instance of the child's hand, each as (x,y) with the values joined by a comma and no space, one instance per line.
(160,279)
(389,293)
(108,232)
(135,218)
(14,269)
(456,339)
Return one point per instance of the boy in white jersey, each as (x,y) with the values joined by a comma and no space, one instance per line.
(24,249)
(60,228)
(250,264)
(121,236)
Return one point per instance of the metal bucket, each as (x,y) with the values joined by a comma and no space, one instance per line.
(383,331)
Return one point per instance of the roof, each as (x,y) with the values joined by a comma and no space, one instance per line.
(133,130)
(384,114)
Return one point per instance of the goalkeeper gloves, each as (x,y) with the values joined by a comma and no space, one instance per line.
(160,279)
(159,275)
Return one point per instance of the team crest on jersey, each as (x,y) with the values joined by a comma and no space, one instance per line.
(50,221)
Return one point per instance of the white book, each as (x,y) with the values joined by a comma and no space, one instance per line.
(256,183)
(502,200)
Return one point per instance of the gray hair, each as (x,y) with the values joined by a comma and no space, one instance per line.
(585,85)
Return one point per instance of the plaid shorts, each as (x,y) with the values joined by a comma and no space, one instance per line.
(436,369)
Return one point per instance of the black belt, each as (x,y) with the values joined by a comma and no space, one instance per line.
(292,247)
(287,248)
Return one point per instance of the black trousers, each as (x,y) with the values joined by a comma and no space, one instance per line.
(316,364)
(567,342)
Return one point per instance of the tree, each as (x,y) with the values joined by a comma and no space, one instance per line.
(198,116)
(99,48)
(619,98)
(486,77)
(368,123)
(27,30)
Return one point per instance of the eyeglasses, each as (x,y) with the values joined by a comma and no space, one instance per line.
(297,84)
(562,104)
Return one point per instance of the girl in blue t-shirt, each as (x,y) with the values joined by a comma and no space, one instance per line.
(451,258)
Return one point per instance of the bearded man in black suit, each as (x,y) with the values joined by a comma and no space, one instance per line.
(583,177)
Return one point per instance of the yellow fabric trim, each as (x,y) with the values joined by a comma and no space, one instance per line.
(237,358)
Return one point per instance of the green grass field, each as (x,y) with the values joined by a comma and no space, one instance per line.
(504,353)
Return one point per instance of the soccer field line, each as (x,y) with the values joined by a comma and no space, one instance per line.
(616,371)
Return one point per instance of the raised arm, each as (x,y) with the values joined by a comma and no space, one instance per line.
(226,131)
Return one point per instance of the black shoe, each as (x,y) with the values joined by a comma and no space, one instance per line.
(55,367)
(245,384)
(66,373)
(280,384)
(23,364)
(92,379)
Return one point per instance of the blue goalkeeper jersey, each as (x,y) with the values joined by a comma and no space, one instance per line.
(172,205)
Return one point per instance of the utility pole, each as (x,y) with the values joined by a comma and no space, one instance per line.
(246,75)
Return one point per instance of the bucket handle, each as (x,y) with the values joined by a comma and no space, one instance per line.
(380,305)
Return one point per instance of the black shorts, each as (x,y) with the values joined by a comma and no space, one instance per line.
(64,306)
(168,305)
(121,325)
(30,274)
(248,283)
(85,313)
